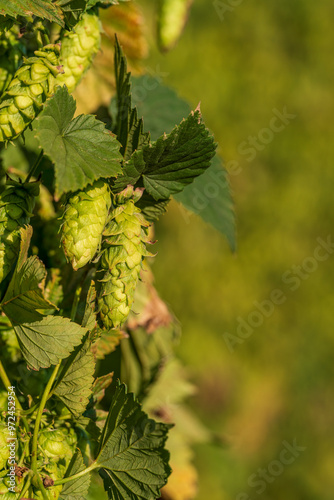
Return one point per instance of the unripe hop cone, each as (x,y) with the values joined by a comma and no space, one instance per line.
(85,217)
(32,84)
(121,260)
(78,47)
(17,202)
(4,450)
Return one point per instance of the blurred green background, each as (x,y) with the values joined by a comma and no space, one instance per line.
(277,385)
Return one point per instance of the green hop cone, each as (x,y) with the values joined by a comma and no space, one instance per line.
(52,471)
(78,47)
(54,445)
(172,18)
(17,202)
(4,450)
(32,84)
(10,56)
(121,261)
(85,217)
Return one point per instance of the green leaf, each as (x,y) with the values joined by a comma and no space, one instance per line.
(100,386)
(173,161)
(72,9)
(78,488)
(45,9)
(81,148)
(25,293)
(132,456)
(150,208)
(210,197)
(89,317)
(106,342)
(45,341)
(160,105)
(129,128)
(75,387)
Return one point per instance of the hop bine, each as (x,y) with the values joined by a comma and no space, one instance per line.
(17,202)
(122,255)
(32,84)
(78,47)
(85,217)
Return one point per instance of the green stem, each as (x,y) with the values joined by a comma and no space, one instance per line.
(39,418)
(35,166)
(41,486)
(6,382)
(25,449)
(76,476)
(75,302)
(25,488)
(31,410)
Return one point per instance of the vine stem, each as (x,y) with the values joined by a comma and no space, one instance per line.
(76,476)
(39,418)
(26,487)
(6,382)
(35,166)
(41,486)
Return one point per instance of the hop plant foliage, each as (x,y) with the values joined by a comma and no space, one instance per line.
(32,84)
(17,202)
(123,253)
(55,321)
(85,217)
(78,47)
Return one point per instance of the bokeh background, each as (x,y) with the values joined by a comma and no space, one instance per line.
(277,384)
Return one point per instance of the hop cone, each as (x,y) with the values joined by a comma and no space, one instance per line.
(85,217)
(4,450)
(78,47)
(124,250)
(10,55)
(32,84)
(16,205)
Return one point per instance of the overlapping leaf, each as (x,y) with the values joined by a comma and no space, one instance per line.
(129,128)
(78,488)
(74,388)
(100,386)
(209,195)
(173,161)
(47,340)
(45,9)
(81,148)
(44,339)
(132,456)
